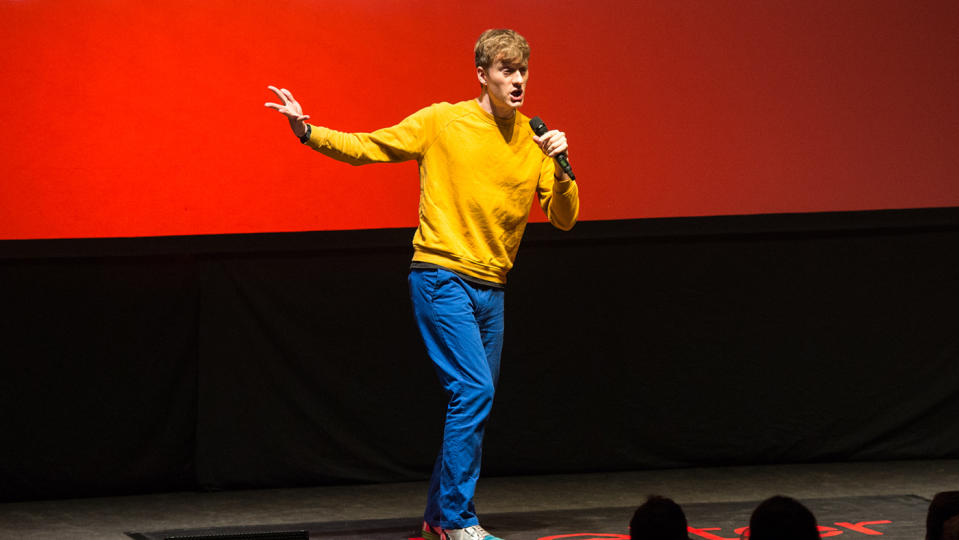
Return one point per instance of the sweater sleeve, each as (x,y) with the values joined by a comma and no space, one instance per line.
(403,142)
(558,198)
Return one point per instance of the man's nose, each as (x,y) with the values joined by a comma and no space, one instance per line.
(516,78)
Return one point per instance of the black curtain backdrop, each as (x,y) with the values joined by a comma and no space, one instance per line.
(219,362)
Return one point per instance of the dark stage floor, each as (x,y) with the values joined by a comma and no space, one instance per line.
(98,518)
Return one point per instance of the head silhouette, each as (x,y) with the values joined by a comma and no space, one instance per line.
(659,518)
(782,518)
(944,506)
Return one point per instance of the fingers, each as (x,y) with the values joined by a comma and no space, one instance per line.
(278,93)
(286,96)
(290,108)
(552,143)
(292,115)
(283,110)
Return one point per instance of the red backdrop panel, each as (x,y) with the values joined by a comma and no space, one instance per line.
(127,118)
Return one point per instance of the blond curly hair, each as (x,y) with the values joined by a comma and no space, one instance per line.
(500,43)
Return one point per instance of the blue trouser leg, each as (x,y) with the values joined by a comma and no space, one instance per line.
(462,328)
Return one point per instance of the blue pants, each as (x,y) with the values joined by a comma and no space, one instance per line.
(462,327)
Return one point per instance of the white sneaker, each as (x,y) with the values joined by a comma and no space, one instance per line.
(470,533)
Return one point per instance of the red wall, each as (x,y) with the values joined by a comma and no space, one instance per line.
(127,118)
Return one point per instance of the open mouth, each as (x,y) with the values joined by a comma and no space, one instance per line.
(516,95)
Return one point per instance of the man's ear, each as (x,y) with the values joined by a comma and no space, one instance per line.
(481,75)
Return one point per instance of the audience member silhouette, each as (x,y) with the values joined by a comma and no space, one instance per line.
(950,529)
(944,506)
(782,518)
(778,518)
(659,518)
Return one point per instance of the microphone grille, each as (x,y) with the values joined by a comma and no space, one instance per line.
(539,127)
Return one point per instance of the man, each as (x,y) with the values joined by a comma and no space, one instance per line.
(480,167)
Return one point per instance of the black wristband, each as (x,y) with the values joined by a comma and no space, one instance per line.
(306,136)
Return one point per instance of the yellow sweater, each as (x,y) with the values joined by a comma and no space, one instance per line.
(478,177)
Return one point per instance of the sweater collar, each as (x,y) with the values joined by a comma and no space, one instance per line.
(494,120)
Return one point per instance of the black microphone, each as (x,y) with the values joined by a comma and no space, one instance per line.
(539,128)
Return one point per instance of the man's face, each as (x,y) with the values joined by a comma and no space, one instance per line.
(505,82)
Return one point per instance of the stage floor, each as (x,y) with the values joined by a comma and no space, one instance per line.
(110,518)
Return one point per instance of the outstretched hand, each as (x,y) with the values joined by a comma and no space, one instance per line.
(291,109)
